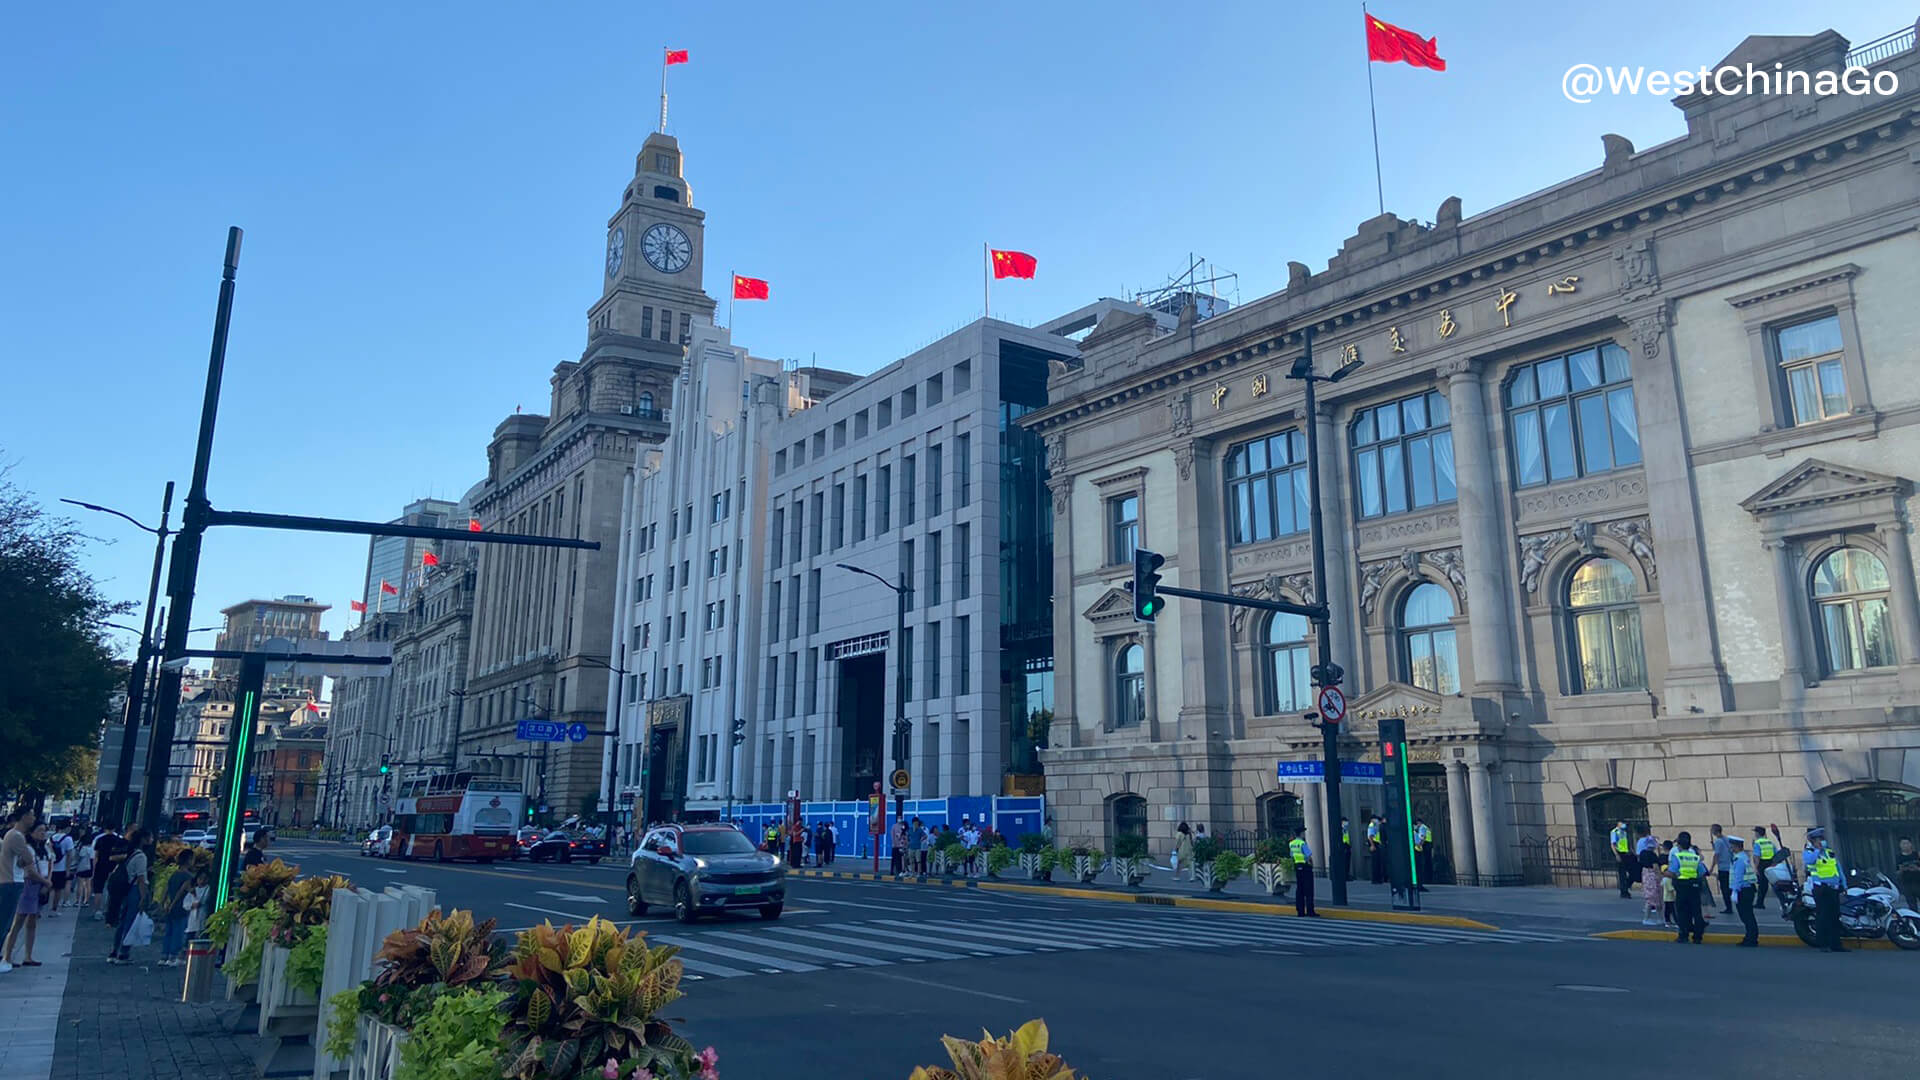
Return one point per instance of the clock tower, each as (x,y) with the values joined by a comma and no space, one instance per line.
(653,269)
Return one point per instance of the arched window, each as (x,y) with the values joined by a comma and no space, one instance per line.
(1427,639)
(646,402)
(1286,664)
(1604,619)
(1126,816)
(1129,685)
(1850,592)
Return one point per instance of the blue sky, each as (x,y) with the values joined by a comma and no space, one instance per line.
(425,188)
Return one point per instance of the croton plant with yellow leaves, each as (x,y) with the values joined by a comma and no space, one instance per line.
(1021,1055)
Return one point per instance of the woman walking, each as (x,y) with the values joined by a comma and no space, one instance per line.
(173,909)
(83,871)
(1183,850)
(133,893)
(34,870)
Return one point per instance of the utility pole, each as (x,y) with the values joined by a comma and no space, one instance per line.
(902,731)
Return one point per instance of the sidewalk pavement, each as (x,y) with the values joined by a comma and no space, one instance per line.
(127,1020)
(1539,907)
(30,1000)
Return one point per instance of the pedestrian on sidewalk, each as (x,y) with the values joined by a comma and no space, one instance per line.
(1827,879)
(1621,845)
(1376,857)
(59,852)
(1765,852)
(1746,881)
(897,837)
(257,849)
(1688,870)
(1346,845)
(133,893)
(1303,874)
(1182,850)
(108,853)
(833,842)
(1723,867)
(1646,851)
(82,873)
(1669,898)
(173,910)
(1906,870)
(197,903)
(20,885)
(1422,852)
(970,837)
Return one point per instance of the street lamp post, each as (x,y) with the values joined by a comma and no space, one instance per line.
(1325,673)
(137,674)
(901,593)
(613,732)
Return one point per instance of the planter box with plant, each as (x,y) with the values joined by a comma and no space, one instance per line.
(581,997)
(1225,868)
(1036,857)
(1272,866)
(999,857)
(1085,861)
(1129,860)
(295,956)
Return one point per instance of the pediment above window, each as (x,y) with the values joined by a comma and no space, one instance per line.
(1818,494)
(1114,605)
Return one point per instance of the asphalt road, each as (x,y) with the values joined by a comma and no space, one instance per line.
(862,979)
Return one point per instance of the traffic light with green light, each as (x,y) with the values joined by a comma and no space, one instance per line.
(1147,603)
(386,766)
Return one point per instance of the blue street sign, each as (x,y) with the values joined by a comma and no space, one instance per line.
(1315,772)
(577,732)
(540,731)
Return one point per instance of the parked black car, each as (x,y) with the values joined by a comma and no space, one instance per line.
(563,846)
(704,868)
(523,839)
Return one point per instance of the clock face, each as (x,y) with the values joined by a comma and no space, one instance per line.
(616,251)
(667,248)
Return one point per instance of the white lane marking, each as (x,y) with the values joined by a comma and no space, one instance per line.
(851,903)
(944,986)
(701,967)
(908,952)
(550,911)
(805,911)
(1038,941)
(845,959)
(1100,938)
(1275,952)
(514,869)
(874,931)
(570,897)
(389,870)
(760,960)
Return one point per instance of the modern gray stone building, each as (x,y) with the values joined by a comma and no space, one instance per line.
(541,638)
(1618,506)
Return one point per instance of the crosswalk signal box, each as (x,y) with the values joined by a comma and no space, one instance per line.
(1397,833)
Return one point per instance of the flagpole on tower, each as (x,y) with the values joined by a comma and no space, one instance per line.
(1379,189)
(733,293)
(664,49)
(986,279)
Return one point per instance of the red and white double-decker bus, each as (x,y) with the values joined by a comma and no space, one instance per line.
(445,816)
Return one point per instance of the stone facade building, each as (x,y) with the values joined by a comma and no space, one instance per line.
(360,730)
(1618,506)
(541,638)
(251,623)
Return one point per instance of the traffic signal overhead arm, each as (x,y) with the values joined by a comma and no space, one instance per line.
(1146,590)
(1313,612)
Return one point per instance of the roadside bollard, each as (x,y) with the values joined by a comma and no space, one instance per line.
(198,988)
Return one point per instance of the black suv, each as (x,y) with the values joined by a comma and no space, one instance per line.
(704,868)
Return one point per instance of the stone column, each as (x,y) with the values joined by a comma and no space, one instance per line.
(1487,842)
(1460,813)
(1344,613)
(1793,648)
(1483,535)
(1066,619)
(1695,677)
(1205,638)
(1150,685)
(1904,607)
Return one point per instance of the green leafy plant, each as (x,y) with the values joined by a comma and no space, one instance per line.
(1271,849)
(999,857)
(343,1023)
(1129,846)
(1205,849)
(1020,1055)
(220,923)
(582,996)
(306,904)
(1227,866)
(458,1038)
(258,922)
(307,963)
(1033,843)
(260,884)
(444,953)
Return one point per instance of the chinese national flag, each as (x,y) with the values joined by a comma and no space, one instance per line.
(355,605)
(749,288)
(1013,264)
(388,589)
(676,56)
(428,558)
(1388,43)
(311,707)
(473,524)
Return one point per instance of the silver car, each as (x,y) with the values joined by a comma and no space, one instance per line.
(695,869)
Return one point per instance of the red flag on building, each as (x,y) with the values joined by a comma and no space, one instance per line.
(749,288)
(428,558)
(355,605)
(1017,264)
(311,707)
(676,56)
(1389,44)
(473,524)
(388,589)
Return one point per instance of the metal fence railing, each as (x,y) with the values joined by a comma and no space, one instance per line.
(1881,48)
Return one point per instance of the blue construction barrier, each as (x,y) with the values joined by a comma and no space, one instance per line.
(1013,816)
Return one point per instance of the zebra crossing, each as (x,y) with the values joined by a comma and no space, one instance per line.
(777,949)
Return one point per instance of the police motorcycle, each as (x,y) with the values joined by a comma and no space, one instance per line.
(1872,908)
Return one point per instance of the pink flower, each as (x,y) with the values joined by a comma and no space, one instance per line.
(611,1070)
(709,1060)
(384,998)
(643,1074)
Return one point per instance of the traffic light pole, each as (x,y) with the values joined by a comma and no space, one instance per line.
(1325,673)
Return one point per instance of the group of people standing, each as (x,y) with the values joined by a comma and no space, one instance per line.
(42,871)
(1677,879)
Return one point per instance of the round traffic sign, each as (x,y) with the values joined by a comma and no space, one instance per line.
(900,778)
(577,732)
(1333,704)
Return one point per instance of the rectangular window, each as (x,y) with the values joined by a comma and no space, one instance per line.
(963,560)
(669,577)
(713,562)
(686,328)
(813,680)
(1403,455)
(933,568)
(963,462)
(883,514)
(719,670)
(906,569)
(909,402)
(779,532)
(666,324)
(1267,488)
(1572,415)
(813,601)
(1123,528)
(1811,362)
(799,526)
(933,660)
(793,684)
(906,490)
(839,434)
(883,413)
(906,651)
(773,612)
(819,521)
(719,509)
(963,376)
(936,476)
(860,424)
(646,322)
(935,391)
(679,678)
(963,655)
(839,516)
(779,462)
(673,525)
(799,452)
(859,508)
(793,606)
(819,444)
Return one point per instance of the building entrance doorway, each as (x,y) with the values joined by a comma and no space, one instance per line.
(1427,784)
(861,716)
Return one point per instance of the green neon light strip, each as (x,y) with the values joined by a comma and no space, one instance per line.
(1406,804)
(236,798)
